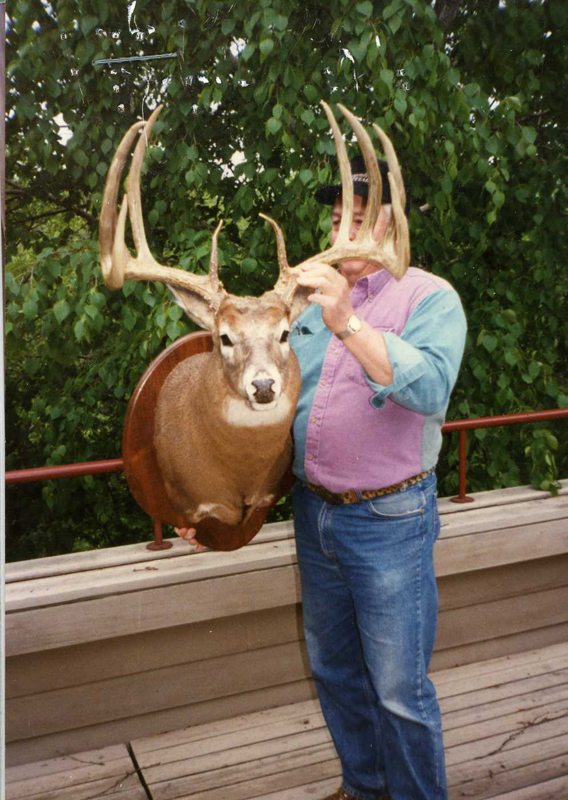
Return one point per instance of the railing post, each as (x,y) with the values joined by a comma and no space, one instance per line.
(158,543)
(462,497)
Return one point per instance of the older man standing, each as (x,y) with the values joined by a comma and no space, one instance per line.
(379,358)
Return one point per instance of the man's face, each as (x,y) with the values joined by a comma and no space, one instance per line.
(353,269)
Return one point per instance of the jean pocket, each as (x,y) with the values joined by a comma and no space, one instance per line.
(398,506)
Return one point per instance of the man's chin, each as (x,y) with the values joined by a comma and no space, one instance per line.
(352,265)
(356,268)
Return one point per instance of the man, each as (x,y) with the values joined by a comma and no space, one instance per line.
(379,359)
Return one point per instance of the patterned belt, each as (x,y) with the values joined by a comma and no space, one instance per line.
(351,496)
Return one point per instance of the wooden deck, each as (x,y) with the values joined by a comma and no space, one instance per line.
(506,737)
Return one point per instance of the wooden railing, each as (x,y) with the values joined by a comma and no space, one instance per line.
(461,426)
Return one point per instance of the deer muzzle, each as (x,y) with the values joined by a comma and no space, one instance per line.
(263,392)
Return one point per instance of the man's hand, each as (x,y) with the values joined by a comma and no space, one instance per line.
(368,345)
(188,535)
(334,294)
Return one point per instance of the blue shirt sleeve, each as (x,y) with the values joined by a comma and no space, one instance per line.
(426,357)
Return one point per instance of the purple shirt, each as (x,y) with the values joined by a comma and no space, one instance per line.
(352,433)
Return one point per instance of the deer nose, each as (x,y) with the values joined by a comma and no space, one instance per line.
(263,390)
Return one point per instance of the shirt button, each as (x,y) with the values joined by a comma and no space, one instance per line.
(324,382)
(314,419)
(311,457)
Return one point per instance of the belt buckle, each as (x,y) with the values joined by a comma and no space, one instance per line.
(353,497)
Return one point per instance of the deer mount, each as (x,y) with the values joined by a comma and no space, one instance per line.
(207,439)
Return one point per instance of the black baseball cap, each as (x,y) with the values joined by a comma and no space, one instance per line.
(329,194)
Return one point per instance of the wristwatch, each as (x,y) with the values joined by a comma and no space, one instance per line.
(353,325)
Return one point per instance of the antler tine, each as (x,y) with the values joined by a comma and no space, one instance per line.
(113,271)
(399,239)
(283,264)
(392,160)
(282,284)
(285,287)
(401,243)
(346,179)
(133,190)
(214,261)
(373,206)
(117,263)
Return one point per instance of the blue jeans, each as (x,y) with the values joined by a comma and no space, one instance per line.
(370,609)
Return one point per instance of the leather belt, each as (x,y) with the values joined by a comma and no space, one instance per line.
(352,496)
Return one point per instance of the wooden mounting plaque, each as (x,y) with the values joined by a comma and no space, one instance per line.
(141,465)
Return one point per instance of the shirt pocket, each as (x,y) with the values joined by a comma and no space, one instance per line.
(353,368)
(300,344)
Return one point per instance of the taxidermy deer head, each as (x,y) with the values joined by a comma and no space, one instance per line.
(223,419)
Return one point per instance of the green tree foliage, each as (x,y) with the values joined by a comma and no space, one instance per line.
(470,93)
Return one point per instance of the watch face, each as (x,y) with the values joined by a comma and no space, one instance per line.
(354,323)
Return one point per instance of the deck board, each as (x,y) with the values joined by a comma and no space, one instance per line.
(506,733)
(505,728)
(108,772)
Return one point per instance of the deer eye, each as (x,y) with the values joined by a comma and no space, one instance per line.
(225,340)
(284,337)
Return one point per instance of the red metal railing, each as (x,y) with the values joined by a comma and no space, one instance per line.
(64,471)
(462,426)
(465,425)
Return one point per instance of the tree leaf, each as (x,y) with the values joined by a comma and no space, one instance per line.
(61,310)
(280,22)
(311,93)
(248,51)
(273,125)
(266,46)
(88,24)
(489,342)
(249,264)
(365,8)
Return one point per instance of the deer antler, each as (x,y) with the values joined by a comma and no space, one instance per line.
(393,251)
(117,262)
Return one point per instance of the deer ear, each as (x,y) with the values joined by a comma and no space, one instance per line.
(195,306)
(299,301)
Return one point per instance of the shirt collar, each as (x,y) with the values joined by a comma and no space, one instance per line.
(370,285)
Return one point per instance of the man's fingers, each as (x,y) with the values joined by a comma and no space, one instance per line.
(188,535)
(313,281)
(320,270)
(323,300)
(317,267)
(324,281)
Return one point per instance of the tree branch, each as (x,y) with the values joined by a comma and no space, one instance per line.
(447,11)
(66,204)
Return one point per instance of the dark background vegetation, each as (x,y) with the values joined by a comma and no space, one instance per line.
(473,95)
